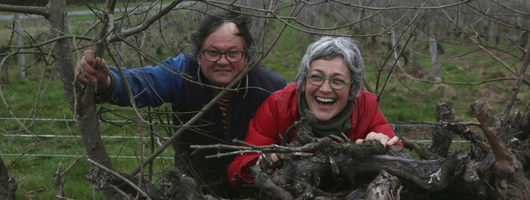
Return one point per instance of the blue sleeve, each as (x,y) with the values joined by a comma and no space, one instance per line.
(151,86)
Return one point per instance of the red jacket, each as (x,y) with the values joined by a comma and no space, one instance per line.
(280,111)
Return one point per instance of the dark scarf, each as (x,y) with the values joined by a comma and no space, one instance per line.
(335,126)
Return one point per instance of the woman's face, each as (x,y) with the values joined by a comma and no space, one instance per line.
(325,101)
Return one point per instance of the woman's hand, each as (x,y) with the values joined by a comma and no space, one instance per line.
(384,139)
(276,161)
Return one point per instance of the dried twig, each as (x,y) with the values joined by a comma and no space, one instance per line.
(121,177)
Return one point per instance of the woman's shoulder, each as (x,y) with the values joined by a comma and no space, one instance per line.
(284,99)
(367,96)
(288,91)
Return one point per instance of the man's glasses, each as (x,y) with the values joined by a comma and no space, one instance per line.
(334,83)
(214,56)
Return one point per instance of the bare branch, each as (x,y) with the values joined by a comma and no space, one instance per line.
(145,24)
(43,11)
(515,88)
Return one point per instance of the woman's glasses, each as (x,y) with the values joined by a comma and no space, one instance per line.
(334,83)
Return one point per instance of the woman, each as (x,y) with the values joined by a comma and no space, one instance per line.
(329,84)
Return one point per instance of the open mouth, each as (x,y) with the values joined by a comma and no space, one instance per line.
(325,101)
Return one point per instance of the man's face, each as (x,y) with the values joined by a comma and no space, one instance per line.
(223,40)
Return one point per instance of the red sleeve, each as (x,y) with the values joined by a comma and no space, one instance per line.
(368,118)
(262,130)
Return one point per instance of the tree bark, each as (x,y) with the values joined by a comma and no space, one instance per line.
(8,186)
(174,185)
(384,187)
(507,170)
(6,74)
(84,107)
(58,183)
(441,140)
(423,153)
(5,68)
(434,58)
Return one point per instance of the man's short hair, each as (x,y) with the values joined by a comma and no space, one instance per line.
(213,22)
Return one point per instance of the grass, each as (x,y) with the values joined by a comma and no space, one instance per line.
(34,173)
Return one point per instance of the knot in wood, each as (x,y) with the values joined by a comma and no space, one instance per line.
(99,178)
(304,132)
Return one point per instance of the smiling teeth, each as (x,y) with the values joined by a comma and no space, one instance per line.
(325,100)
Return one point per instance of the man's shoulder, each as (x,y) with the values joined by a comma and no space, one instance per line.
(266,75)
(182,62)
(262,69)
(189,57)
(184,58)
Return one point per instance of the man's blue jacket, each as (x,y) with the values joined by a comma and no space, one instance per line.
(175,81)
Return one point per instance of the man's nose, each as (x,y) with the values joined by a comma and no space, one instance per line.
(223,60)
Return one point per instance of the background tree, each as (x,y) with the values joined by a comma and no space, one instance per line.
(20,57)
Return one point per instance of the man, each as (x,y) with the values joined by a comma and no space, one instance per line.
(221,48)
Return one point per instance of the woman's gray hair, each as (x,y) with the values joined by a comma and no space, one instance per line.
(328,48)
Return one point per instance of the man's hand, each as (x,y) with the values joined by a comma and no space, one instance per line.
(89,72)
(276,161)
(384,139)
